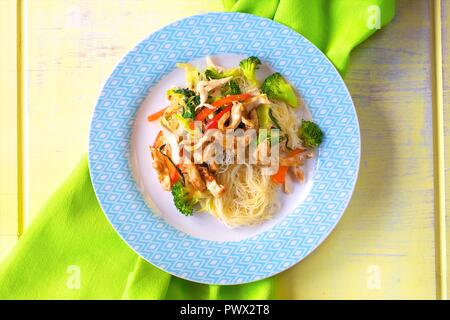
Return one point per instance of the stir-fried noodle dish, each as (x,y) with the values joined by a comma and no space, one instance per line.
(227,142)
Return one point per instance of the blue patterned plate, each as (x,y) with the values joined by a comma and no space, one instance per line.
(198,248)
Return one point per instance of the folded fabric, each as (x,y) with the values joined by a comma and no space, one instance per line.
(334,26)
(72,252)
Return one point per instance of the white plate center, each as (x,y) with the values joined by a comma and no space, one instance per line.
(201,225)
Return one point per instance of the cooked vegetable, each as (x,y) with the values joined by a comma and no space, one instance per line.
(277,88)
(155,116)
(158,140)
(187,93)
(222,171)
(264,120)
(204,113)
(295,152)
(214,122)
(191,73)
(248,67)
(227,101)
(185,122)
(212,73)
(232,88)
(274,120)
(280,176)
(174,173)
(183,200)
(310,133)
(263,135)
(190,99)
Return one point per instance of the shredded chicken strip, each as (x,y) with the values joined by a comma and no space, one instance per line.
(172,140)
(255,101)
(203,87)
(210,63)
(288,185)
(213,186)
(205,138)
(252,122)
(221,123)
(296,160)
(297,173)
(161,168)
(206,105)
(236,115)
(213,166)
(195,177)
(293,161)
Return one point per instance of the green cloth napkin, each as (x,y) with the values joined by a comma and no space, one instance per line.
(334,26)
(71,251)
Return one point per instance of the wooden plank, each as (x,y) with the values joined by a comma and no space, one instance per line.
(446,77)
(438,149)
(384,246)
(8,127)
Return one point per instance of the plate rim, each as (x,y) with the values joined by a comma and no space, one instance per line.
(342,211)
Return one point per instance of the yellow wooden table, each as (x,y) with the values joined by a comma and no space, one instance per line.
(386,245)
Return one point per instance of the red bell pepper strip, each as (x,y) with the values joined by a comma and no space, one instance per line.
(204,113)
(215,121)
(227,101)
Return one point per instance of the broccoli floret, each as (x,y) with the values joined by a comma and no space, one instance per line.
(182,199)
(231,88)
(191,100)
(248,67)
(310,133)
(277,88)
(212,73)
(191,103)
(184,91)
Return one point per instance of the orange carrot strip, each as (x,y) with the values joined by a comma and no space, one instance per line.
(280,176)
(155,116)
